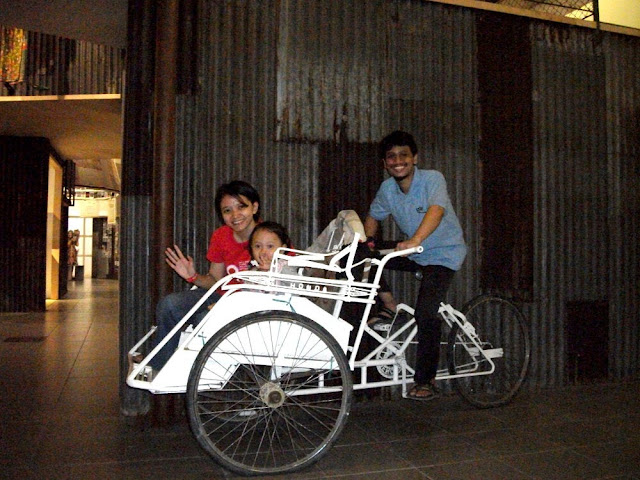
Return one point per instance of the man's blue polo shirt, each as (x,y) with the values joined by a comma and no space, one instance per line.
(445,246)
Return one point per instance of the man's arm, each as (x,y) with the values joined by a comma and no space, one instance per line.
(371,226)
(427,226)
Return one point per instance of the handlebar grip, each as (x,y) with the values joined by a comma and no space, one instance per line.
(407,251)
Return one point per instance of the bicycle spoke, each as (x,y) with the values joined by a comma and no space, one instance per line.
(499,324)
(269,393)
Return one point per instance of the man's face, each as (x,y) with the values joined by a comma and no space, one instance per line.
(400,162)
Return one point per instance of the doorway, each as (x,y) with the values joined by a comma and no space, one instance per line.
(103,259)
(587,334)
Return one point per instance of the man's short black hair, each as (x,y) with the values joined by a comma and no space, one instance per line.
(235,189)
(397,139)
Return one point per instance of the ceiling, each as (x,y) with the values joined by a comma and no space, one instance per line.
(84,128)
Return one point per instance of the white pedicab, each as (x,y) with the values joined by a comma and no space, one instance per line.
(268,373)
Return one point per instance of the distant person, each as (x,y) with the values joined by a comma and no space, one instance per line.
(72,251)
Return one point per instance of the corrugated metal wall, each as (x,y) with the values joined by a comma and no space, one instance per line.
(571,198)
(277,78)
(586,162)
(24,169)
(234,112)
(329,84)
(622,115)
(348,84)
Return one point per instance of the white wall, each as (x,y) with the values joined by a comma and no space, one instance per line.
(81,217)
(625,13)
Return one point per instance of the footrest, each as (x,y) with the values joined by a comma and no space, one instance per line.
(134,359)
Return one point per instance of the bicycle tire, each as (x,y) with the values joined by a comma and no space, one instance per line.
(258,420)
(500,324)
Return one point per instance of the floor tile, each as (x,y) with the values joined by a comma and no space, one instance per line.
(482,469)
(563,464)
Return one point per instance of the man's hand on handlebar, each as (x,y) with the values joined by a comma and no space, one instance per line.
(409,243)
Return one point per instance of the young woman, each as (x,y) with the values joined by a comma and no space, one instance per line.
(238,206)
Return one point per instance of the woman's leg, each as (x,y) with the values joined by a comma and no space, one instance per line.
(169,312)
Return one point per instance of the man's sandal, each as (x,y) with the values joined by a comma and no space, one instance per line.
(381,320)
(423,392)
(383,314)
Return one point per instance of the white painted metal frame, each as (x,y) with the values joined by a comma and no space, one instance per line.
(252,292)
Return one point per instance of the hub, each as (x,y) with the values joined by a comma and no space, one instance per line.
(272,395)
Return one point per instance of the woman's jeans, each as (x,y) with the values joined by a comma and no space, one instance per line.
(169,312)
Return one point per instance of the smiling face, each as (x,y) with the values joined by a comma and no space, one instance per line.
(400,163)
(263,245)
(237,213)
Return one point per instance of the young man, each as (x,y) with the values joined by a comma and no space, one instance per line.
(419,204)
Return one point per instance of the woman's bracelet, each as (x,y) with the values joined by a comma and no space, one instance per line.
(193,278)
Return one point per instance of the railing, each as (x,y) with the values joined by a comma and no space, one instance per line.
(580,9)
(33,64)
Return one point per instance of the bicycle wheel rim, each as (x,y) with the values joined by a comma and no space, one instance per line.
(499,324)
(264,422)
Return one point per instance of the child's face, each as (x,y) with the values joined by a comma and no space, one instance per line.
(263,245)
(238,213)
(400,162)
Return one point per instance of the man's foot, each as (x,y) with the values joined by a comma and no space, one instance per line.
(423,392)
(381,320)
(385,320)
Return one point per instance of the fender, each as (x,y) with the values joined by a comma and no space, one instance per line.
(174,375)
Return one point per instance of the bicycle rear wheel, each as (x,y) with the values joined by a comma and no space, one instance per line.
(502,330)
(269,393)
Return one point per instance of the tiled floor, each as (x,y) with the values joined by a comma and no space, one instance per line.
(60,419)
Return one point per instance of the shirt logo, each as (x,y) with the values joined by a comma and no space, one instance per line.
(421,210)
(231,269)
(242,266)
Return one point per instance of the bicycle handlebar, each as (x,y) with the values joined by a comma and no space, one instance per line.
(400,253)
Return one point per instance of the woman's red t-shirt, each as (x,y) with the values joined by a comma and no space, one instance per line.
(223,248)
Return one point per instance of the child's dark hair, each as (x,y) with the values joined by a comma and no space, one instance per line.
(397,139)
(235,189)
(272,227)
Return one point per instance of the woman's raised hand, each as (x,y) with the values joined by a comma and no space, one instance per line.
(182,265)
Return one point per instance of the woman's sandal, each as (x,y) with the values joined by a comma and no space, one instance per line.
(423,392)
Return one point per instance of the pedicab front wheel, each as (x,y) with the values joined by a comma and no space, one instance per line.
(269,393)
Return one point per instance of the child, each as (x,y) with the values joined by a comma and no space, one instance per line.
(265,239)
